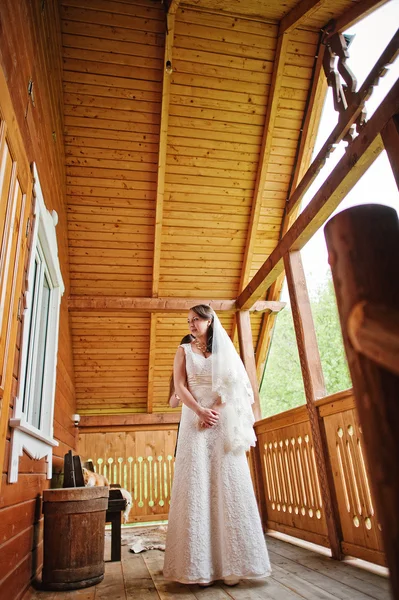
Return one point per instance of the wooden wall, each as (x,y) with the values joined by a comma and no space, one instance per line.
(30,43)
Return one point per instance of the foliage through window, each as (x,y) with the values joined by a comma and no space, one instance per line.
(282,384)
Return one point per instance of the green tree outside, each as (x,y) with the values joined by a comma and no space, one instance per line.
(282,385)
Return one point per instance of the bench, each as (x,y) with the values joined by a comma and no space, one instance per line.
(73,477)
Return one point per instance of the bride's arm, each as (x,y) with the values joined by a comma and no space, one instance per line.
(207,415)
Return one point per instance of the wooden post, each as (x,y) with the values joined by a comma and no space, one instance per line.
(313,381)
(248,358)
(363,246)
(390,137)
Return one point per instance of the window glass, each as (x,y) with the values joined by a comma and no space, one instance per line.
(282,384)
(41,353)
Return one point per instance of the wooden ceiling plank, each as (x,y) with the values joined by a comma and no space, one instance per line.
(163,140)
(171,304)
(361,153)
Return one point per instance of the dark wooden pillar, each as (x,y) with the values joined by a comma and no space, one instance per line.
(363,246)
(390,137)
(313,381)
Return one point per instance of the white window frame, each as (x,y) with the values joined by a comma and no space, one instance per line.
(38,442)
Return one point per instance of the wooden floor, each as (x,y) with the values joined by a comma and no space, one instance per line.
(298,573)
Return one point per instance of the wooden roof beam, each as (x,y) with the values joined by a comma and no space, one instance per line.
(345,122)
(274,95)
(292,20)
(121,303)
(163,140)
(287,24)
(361,153)
(314,106)
(303,10)
(358,11)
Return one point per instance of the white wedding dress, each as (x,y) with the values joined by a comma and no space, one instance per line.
(214,527)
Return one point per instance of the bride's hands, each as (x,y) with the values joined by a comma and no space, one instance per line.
(208,417)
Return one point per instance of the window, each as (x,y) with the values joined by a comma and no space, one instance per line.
(32,420)
(282,384)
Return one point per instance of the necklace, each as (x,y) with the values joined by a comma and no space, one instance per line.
(201,347)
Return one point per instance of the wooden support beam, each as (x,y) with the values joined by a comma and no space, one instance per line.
(263,164)
(120,303)
(310,126)
(345,122)
(264,156)
(361,153)
(248,356)
(390,137)
(151,362)
(301,11)
(313,381)
(129,420)
(358,11)
(163,141)
(363,249)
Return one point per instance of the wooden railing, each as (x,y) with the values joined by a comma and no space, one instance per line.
(293,498)
(140,461)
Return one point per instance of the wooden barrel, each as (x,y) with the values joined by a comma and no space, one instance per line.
(74,531)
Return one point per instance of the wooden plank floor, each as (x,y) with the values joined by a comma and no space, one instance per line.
(298,573)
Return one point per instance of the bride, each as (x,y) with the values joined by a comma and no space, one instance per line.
(214,529)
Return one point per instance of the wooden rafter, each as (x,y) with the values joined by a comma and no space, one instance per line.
(360,155)
(345,122)
(292,20)
(120,303)
(307,140)
(163,140)
(303,10)
(264,156)
(306,146)
(358,11)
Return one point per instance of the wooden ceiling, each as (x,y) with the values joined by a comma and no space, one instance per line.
(177,185)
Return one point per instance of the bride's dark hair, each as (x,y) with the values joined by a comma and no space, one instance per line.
(205,312)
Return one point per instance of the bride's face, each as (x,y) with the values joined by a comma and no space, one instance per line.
(196,325)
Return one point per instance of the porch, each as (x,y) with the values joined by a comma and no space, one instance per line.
(298,573)
(175,183)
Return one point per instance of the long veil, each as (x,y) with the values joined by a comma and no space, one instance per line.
(230,381)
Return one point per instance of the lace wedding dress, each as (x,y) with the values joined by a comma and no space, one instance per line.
(214,527)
